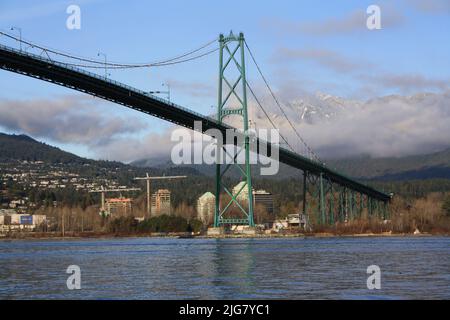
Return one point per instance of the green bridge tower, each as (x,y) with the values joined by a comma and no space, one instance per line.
(232,64)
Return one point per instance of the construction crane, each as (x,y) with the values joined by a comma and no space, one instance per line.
(149,179)
(102,190)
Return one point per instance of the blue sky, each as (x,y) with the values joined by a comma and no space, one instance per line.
(302,46)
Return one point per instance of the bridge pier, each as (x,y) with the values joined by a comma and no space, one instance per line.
(236,58)
(304,195)
(331,217)
(361,205)
(321,200)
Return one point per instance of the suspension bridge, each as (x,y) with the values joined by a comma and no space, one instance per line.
(328,196)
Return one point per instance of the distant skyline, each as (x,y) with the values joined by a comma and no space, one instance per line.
(303,47)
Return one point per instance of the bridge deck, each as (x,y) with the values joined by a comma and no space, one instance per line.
(78,79)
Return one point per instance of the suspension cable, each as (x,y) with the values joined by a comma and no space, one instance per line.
(279,105)
(142,66)
(270,120)
(117,65)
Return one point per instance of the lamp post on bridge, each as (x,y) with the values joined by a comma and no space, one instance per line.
(20,35)
(106,69)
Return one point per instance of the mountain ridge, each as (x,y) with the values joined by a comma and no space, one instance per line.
(21,147)
(425,166)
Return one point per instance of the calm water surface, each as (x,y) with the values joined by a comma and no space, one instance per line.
(157,268)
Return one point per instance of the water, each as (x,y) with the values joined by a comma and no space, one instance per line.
(161,268)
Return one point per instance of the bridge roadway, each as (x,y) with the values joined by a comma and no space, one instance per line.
(78,79)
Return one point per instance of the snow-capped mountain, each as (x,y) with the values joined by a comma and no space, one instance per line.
(335,127)
(320,107)
(391,125)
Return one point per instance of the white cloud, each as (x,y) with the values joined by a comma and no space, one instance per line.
(323,57)
(431,6)
(350,23)
(387,126)
(69,119)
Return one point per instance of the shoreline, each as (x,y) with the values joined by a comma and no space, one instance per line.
(225,236)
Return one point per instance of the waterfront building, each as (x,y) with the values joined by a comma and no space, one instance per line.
(260,197)
(265,199)
(243,195)
(117,207)
(205,207)
(160,202)
(10,221)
